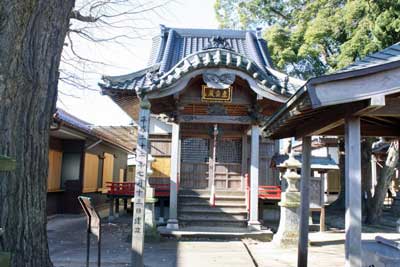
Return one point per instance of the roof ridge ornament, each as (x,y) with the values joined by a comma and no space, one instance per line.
(218,81)
(154,76)
(218,42)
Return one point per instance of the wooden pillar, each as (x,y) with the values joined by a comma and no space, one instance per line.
(302,253)
(244,160)
(161,201)
(117,207)
(322,220)
(140,184)
(125,204)
(353,192)
(211,175)
(173,199)
(111,211)
(255,143)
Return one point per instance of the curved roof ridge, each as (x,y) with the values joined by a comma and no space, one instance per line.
(200,31)
(217,57)
(132,75)
(252,48)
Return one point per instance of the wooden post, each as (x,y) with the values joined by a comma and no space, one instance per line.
(173,199)
(125,204)
(140,184)
(322,220)
(212,173)
(353,192)
(244,160)
(302,254)
(162,216)
(255,143)
(111,211)
(117,207)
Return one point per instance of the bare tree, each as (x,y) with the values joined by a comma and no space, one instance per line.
(32,36)
(375,202)
(98,25)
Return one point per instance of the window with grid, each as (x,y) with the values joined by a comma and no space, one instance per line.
(195,150)
(229,151)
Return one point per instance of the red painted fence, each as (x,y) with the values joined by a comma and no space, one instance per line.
(266,192)
(128,189)
(272,192)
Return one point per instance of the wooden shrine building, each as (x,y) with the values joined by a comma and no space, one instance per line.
(214,87)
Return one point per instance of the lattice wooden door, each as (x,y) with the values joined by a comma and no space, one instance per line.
(228,165)
(194,163)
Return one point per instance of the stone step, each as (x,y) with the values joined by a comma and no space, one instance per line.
(205,209)
(202,192)
(212,223)
(207,197)
(189,216)
(220,232)
(218,204)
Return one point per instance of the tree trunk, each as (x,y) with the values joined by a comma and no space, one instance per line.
(366,175)
(375,203)
(339,203)
(32,34)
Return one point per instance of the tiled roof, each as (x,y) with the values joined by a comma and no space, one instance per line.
(387,55)
(173,45)
(183,42)
(62,115)
(121,136)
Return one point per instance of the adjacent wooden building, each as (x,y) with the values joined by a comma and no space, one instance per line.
(82,159)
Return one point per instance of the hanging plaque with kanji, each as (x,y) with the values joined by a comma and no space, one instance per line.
(209,94)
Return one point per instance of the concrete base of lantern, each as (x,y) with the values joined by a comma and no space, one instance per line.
(288,231)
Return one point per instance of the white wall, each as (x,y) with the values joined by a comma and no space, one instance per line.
(334,152)
(159,127)
(320,152)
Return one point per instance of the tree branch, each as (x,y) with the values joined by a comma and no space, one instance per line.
(75,14)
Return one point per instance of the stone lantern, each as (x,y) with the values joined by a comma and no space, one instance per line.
(288,232)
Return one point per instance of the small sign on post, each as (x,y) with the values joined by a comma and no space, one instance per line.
(93,227)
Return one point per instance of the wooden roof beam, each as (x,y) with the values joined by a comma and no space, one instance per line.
(390,109)
(330,119)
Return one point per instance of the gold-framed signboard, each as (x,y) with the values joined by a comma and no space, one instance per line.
(209,94)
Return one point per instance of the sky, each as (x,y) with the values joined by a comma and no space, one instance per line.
(89,104)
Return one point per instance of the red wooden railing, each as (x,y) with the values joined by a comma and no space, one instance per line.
(272,192)
(121,189)
(128,189)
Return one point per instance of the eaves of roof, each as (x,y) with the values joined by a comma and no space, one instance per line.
(70,121)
